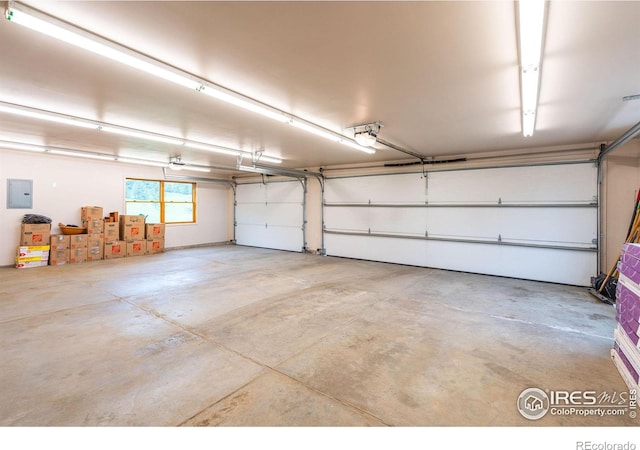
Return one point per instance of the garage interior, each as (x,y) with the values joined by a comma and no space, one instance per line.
(390,227)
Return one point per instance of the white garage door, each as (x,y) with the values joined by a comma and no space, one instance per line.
(535,222)
(270,215)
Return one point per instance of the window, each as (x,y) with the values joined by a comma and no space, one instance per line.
(161,201)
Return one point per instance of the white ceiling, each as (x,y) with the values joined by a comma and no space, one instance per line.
(442,77)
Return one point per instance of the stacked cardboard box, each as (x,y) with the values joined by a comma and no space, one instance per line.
(29,256)
(35,234)
(34,245)
(136,247)
(132,232)
(94,227)
(115,249)
(78,248)
(92,220)
(59,250)
(89,213)
(111,231)
(626,352)
(95,247)
(154,233)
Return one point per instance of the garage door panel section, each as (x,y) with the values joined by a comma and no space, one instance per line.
(284,215)
(270,215)
(251,193)
(351,219)
(251,213)
(566,183)
(537,264)
(543,225)
(377,189)
(398,220)
(285,192)
(534,222)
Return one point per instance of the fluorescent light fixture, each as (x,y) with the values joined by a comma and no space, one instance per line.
(531,16)
(212,148)
(357,146)
(188,167)
(142,135)
(315,130)
(21,146)
(335,137)
(50,116)
(44,115)
(80,154)
(243,102)
(142,162)
(528,122)
(70,34)
(51,26)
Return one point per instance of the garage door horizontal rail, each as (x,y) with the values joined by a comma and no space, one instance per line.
(462,205)
(498,241)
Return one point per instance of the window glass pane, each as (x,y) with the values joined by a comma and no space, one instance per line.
(178,192)
(178,212)
(143,190)
(150,210)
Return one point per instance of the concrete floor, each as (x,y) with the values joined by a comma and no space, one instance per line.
(233,335)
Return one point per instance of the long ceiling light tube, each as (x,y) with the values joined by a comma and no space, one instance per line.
(531,21)
(78,154)
(24,111)
(141,135)
(50,116)
(11,145)
(21,146)
(58,29)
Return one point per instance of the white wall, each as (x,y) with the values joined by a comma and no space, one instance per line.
(620,184)
(62,185)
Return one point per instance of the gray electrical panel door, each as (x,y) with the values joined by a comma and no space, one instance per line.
(19,194)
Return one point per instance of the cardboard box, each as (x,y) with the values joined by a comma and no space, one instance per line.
(59,257)
(132,219)
(115,249)
(136,247)
(30,264)
(95,248)
(35,234)
(77,255)
(111,231)
(88,213)
(35,250)
(78,241)
(131,228)
(59,242)
(154,231)
(94,227)
(44,257)
(155,246)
